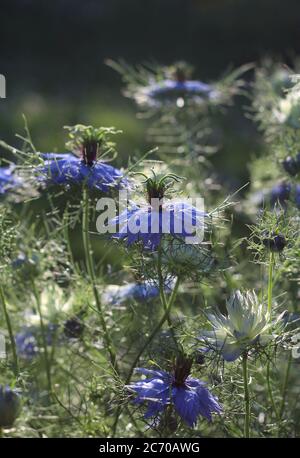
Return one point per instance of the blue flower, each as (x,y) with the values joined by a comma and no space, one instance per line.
(297,196)
(280,194)
(148,224)
(117,295)
(9,406)
(188,395)
(171,87)
(69,169)
(169,90)
(26,343)
(8,180)
(274,242)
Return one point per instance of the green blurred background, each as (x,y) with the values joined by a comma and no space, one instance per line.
(52,55)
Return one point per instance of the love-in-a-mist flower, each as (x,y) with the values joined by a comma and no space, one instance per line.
(26,344)
(8,180)
(247,323)
(88,163)
(280,194)
(27,340)
(9,406)
(148,223)
(142,291)
(175,88)
(189,396)
(287,111)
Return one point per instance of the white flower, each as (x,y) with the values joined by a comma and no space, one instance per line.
(248,322)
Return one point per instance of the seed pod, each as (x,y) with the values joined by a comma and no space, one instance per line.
(9,407)
(73,328)
(291,166)
(275,242)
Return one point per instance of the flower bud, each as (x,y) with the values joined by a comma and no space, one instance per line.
(291,166)
(9,407)
(275,242)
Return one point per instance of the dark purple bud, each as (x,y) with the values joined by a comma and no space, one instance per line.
(9,406)
(73,328)
(275,242)
(291,166)
(280,193)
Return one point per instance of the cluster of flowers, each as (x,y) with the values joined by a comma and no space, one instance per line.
(246,325)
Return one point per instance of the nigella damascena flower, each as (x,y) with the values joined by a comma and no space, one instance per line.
(247,323)
(280,194)
(8,180)
(117,295)
(26,343)
(9,406)
(87,165)
(288,110)
(149,223)
(175,87)
(170,91)
(188,395)
(27,340)
(69,169)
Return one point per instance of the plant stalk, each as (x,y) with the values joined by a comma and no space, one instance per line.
(10,333)
(246,396)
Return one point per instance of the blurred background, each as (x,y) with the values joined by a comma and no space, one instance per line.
(52,55)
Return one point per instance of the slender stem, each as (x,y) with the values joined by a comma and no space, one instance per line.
(1,432)
(67,238)
(10,332)
(91,273)
(284,386)
(270,392)
(159,325)
(44,338)
(270,281)
(162,292)
(246,396)
(154,332)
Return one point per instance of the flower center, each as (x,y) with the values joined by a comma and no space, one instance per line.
(180,75)
(89,152)
(182,370)
(155,194)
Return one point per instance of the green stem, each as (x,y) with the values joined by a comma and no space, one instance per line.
(67,238)
(91,273)
(270,392)
(154,332)
(246,396)
(283,393)
(270,281)
(10,333)
(1,432)
(284,386)
(159,325)
(44,338)
(162,292)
